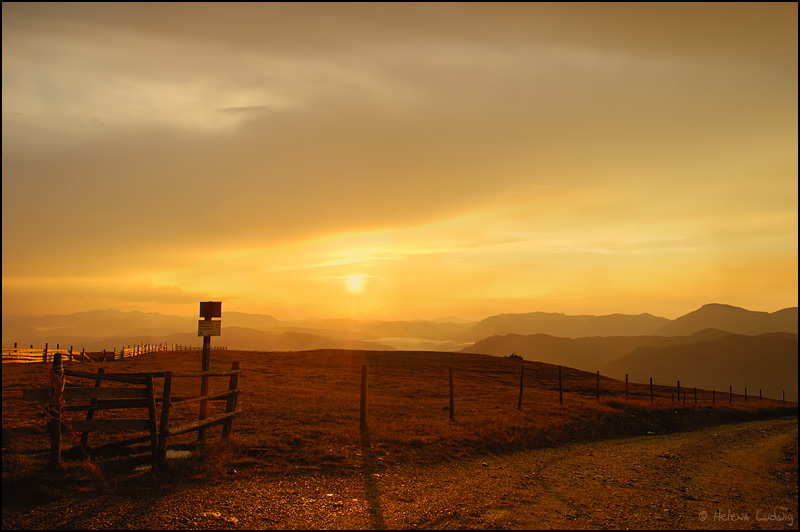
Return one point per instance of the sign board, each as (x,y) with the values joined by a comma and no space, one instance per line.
(211,309)
(209,328)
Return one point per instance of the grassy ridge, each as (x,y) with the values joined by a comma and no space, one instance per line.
(303,409)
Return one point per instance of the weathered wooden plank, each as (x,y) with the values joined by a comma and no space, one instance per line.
(71,394)
(202,423)
(106,377)
(211,397)
(226,373)
(102,425)
(108,405)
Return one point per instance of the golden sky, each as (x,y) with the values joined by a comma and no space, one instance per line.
(399,161)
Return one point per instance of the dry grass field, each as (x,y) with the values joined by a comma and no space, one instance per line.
(302,410)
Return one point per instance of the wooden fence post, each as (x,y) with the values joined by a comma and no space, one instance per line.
(70,353)
(230,405)
(151,410)
(452,402)
(363,423)
(44,353)
(521,377)
(560,392)
(163,431)
(56,396)
(598,385)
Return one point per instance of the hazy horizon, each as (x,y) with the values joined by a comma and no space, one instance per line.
(432,318)
(399,161)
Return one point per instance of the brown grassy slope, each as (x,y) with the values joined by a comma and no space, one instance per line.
(302,408)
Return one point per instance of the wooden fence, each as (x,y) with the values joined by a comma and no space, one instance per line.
(28,355)
(632,390)
(169,402)
(126,398)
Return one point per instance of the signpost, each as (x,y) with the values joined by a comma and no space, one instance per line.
(207,328)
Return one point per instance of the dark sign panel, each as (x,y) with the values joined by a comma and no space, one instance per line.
(211,309)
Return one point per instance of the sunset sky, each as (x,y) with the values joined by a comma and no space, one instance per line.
(399,161)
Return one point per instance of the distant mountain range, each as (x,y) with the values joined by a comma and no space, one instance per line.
(244,331)
(713,316)
(584,353)
(732,319)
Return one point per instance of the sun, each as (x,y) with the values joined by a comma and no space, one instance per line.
(355,283)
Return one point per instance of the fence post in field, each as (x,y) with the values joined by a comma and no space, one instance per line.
(232,400)
(163,430)
(651,389)
(626,386)
(54,409)
(521,376)
(70,353)
(151,410)
(363,397)
(15,345)
(452,403)
(560,392)
(597,394)
(44,353)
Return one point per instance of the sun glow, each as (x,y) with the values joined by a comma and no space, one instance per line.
(355,283)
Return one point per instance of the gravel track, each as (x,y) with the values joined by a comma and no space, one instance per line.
(724,477)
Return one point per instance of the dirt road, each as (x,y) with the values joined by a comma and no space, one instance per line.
(724,477)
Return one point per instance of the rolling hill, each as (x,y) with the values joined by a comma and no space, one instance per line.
(766,361)
(732,319)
